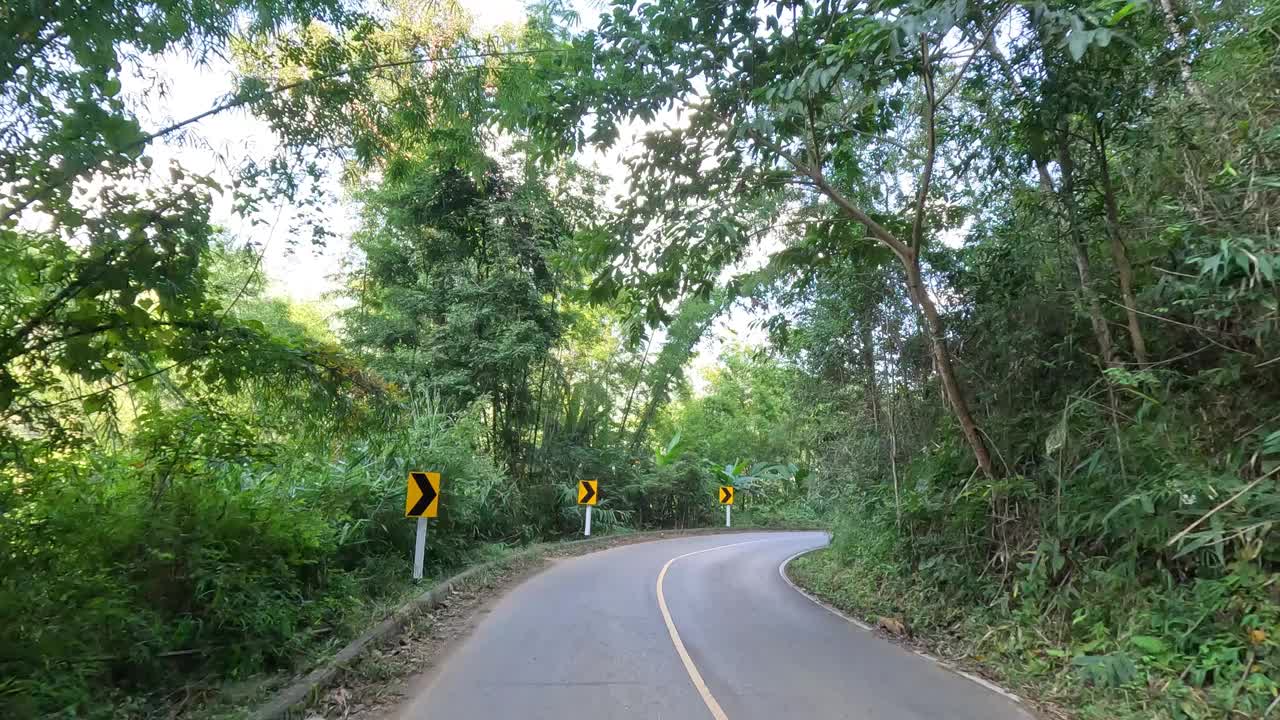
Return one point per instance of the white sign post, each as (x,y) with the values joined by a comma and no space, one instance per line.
(421,501)
(586,530)
(419,548)
(727,509)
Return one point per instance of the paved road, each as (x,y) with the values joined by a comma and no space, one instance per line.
(721,637)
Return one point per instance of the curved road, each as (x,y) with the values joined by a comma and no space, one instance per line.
(720,637)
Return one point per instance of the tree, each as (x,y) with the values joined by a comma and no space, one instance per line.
(769,109)
(60,78)
(746,412)
(456,291)
(102,279)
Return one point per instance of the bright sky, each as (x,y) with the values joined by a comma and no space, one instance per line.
(299,269)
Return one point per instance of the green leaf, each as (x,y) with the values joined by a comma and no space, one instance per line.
(1119,506)
(136,316)
(1196,541)
(1149,644)
(1078,41)
(1266,268)
(1124,12)
(1271,443)
(95,403)
(1111,670)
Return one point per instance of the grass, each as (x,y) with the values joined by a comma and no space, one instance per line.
(1013,654)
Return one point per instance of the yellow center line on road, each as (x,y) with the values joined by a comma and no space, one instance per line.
(698,683)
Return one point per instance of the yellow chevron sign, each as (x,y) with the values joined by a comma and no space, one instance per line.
(423,496)
(587,492)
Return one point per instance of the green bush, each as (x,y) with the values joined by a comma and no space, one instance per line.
(197,549)
(1092,596)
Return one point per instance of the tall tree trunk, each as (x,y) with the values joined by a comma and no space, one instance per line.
(1174,26)
(537,417)
(1080,252)
(626,411)
(919,295)
(893,464)
(662,382)
(908,253)
(915,280)
(942,359)
(1066,197)
(1118,253)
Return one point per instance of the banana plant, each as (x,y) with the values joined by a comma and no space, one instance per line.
(671,452)
(732,474)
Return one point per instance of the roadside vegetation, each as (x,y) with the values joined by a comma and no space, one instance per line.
(1016,265)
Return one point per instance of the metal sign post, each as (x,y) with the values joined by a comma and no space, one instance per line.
(419,548)
(726,499)
(586,530)
(421,501)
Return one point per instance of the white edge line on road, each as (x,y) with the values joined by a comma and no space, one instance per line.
(782,571)
(698,683)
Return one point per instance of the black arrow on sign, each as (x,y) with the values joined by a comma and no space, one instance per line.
(591,491)
(725,495)
(428,493)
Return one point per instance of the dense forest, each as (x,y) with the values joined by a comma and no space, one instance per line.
(1016,264)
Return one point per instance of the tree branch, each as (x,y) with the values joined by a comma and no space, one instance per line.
(94,330)
(931,146)
(888,141)
(815,152)
(92,272)
(1173,540)
(986,37)
(876,230)
(240,100)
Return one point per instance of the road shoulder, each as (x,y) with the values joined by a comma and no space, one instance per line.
(806,572)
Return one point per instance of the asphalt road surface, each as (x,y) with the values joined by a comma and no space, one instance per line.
(695,628)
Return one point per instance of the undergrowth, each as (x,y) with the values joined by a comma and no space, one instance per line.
(1092,632)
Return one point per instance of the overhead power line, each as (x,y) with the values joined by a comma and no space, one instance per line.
(241,99)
